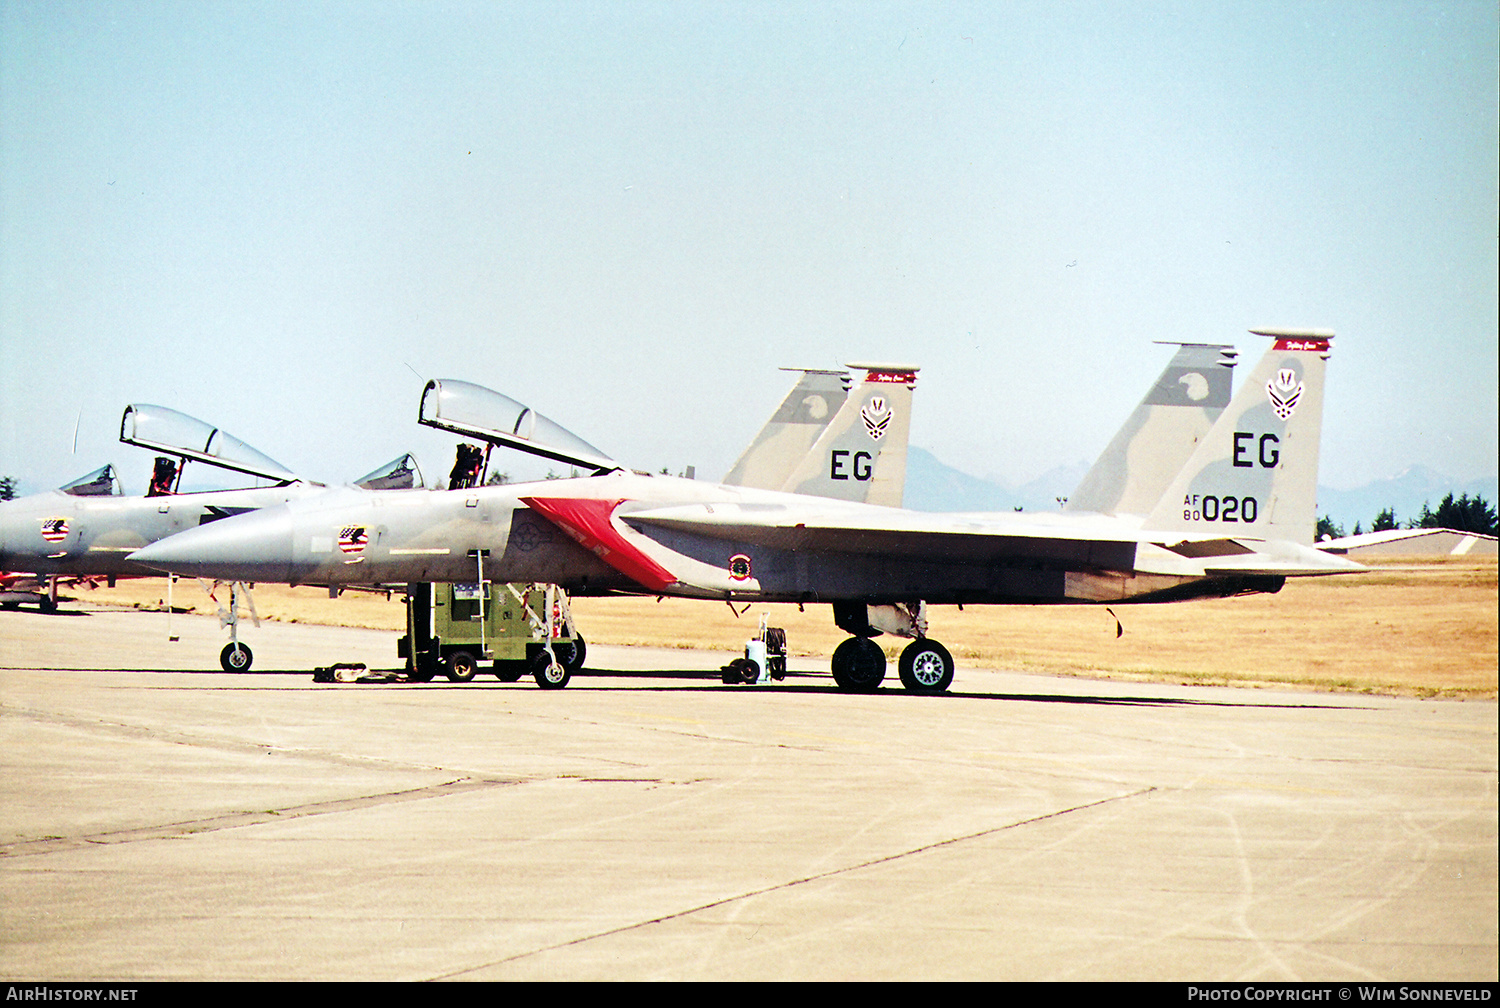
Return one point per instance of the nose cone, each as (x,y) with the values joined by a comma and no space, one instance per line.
(28,537)
(10,527)
(251,547)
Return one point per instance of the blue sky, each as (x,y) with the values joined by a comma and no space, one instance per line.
(283,218)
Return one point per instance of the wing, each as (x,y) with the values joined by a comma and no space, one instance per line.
(792,552)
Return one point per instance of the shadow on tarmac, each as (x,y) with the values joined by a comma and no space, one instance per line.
(817,683)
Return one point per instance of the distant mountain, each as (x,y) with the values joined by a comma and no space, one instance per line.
(1405,493)
(932,485)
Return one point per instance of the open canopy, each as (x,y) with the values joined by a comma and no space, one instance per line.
(477,412)
(173,433)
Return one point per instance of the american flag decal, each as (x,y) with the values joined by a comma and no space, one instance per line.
(54,529)
(352,538)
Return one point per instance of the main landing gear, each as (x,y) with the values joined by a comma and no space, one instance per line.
(859,663)
(859,666)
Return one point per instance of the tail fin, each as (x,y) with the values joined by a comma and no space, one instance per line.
(1255,474)
(1139,464)
(861,454)
(767,463)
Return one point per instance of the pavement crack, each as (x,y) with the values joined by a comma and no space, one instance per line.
(793,883)
(236,820)
(175,736)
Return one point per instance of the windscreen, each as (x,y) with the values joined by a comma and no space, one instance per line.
(99,483)
(399,474)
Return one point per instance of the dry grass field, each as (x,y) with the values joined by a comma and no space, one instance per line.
(1412,626)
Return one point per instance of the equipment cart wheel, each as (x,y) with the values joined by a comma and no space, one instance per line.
(740,671)
(571,653)
(235,658)
(461,667)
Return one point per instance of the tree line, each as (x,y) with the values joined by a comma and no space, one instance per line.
(1462,514)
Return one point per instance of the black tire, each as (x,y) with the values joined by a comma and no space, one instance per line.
(549,675)
(926,667)
(571,653)
(509,671)
(740,671)
(858,665)
(460,667)
(235,658)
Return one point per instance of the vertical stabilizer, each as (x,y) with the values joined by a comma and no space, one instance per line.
(793,429)
(1255,474)
(861,454)
(1159,437)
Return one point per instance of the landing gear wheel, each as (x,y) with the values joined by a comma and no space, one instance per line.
(550,674)
(235,658)
(926,667)
(461,667)
(858,665)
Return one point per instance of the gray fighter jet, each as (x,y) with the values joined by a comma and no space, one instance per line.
(1143,457)
(89,527)
(1237,517)
(817,442)
(828,440)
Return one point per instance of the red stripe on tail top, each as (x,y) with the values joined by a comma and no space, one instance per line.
(590,522)
(1290,343)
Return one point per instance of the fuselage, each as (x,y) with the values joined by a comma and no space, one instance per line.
(57,533)
(641,534)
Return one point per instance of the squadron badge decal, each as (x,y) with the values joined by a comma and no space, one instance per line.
(54,529)
(877,416)
(1284,390)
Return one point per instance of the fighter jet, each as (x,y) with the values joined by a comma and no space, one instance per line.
(89,527)
(1237,518)
(1159,436)
(828,440)
(817,442)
